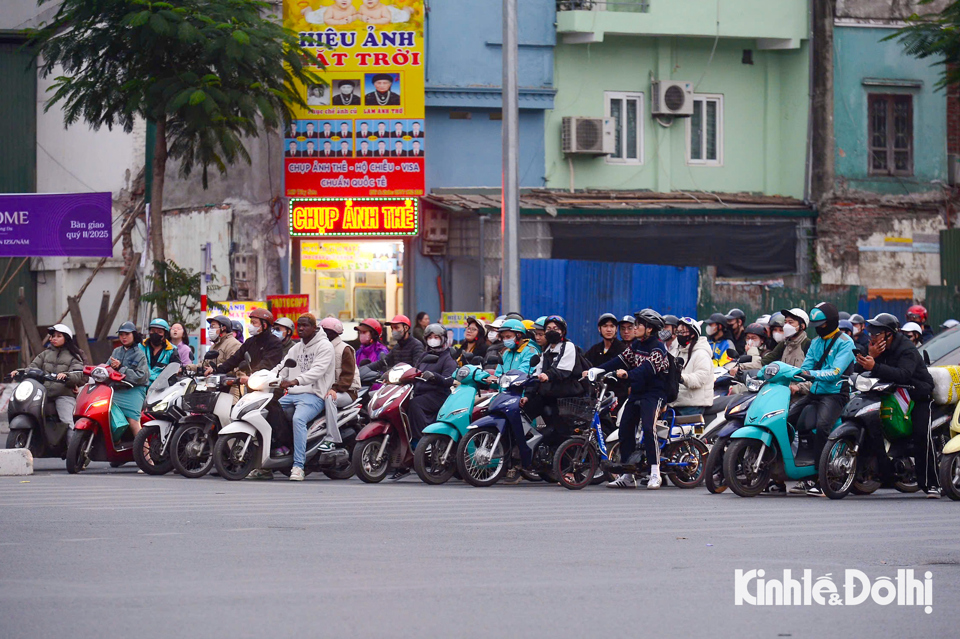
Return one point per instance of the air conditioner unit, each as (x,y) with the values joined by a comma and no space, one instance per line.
(588,136)
(672,98)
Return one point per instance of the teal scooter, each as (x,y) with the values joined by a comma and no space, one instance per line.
(435,458)
(763,449)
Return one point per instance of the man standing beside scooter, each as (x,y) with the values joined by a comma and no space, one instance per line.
(893,358)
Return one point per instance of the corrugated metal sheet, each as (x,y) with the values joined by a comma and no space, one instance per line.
(582,291)
(18,118)
(943,303)
(950,257)
(872,307)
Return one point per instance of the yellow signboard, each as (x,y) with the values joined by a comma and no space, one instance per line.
(460,318)
(349,256)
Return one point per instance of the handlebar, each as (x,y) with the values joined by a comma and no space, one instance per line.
(34,373)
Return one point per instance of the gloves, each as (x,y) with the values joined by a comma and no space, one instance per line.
(428,376)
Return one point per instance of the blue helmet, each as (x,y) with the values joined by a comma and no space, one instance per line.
(160,323)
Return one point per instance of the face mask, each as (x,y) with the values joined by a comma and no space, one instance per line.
(778,336)
(711,329)
(856,330)
(213,333)
(510,344)
(365,338)
(254,330)
(155,340)
(683,340)
(789,330)
(493,336)
(665,335)
(434,342)
(278,334)
(752,343)
(554,337)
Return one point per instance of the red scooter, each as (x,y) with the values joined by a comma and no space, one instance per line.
(92,437)
(385,442)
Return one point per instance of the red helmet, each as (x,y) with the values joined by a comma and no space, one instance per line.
(401,319)
(373,325)
(263,315)
(917,313)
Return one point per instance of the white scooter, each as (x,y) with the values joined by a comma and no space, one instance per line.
(161,412)
(247,442)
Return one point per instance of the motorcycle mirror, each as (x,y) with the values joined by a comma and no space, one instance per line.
(494,358)
(744,359)
(289,363)
(429,359)
(732,353)
(363,362)
(213,354)
(534,360)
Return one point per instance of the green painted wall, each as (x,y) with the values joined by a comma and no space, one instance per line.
(765,108)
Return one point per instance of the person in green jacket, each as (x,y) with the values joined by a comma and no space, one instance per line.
(158,349)
(517,349)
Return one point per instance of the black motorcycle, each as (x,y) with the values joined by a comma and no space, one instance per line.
(34,423)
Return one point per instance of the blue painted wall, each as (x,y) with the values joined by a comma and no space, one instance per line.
(858,54)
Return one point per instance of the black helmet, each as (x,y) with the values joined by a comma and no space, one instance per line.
(558,320)
(844,315)
(516,316)
(857,318)
(756,329)
(776,320)
(607,317)
(736,313)
(824,318)
(236,326)
(127,327)
(884,322)
(717,318)
(222,320)
(671,320)
(651,318)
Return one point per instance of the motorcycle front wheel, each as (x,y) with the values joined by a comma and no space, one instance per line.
(713,471)
(738,468)
(837,468)
(227,455)
(77,459)
(191,449)
(481,463)
(18,439)
(428,459)
(365,463)
(147,452)
(575,463)
(950,476)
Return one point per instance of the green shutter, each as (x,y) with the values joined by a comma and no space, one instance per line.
(18,117)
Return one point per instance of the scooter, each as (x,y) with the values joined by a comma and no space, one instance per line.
(387,442)
(162,411)
(435,456)
(950,461)
(92,438)
(846,463)
(207,405)
(246,443)
(33,420)
(731,420)
(762,449)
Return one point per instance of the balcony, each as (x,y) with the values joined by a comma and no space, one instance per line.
(782,24)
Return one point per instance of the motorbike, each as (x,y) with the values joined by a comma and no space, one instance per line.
(33,420)
(246,442)
(847,463)
(730,420)
(92,437)
(950,460)
(207,405)
(434,458)
(386,441)
(577,460)
(161,412)
(763,448)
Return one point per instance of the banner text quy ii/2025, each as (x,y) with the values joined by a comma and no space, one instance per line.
(363,132)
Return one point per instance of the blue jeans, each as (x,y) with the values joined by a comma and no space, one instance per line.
(306,407)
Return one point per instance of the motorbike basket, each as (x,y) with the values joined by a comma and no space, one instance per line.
(199,402)
(577,410)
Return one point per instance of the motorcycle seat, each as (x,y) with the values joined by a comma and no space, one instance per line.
(688,419)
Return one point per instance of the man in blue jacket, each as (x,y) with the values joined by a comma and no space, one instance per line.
(829,358)
(644,364)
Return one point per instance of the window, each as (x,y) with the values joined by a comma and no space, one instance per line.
(626,109)
(705,131)
(891,134)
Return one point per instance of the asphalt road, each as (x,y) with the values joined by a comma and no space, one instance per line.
(111,553)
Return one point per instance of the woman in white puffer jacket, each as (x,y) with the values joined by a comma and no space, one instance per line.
(696,384)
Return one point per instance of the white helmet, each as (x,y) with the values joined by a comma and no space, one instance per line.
(911,327)
(61,328)
(797,313)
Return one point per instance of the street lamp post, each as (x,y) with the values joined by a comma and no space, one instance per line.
(510,205)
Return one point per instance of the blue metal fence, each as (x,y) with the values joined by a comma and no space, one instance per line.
(582,291)
(871,307)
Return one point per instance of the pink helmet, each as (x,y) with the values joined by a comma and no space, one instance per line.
(332,324)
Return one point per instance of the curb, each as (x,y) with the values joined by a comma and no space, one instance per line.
(15,462)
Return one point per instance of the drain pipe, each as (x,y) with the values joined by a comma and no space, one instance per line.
(483,297)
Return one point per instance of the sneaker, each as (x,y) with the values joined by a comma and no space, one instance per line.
(260,474)
(513,477)
(400,474)
(280,452)
(776,489)
(296,474)
(801,488)
(934,493)
(654,482)
(623,481)
(326,446)
(815,491)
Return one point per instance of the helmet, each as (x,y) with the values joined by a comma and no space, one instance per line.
(911,327)
(160,323)
(671,320)
(529,325)
(651,318)
(844,315)
(127,327)
(950,323)
(559,321)
(884,322)
(496,324)
(846,325)
(541,322)
(776,320)
(236,326)
(61,328)
(918,312)
(287,323)
(514,325)
(262,314)
(692,324)
(606,317)
(756,329)
(763,320)
(825,318)
(400,319)
(857,318)
(629,319)
(332,324)
(373,325)
(736,313)
(516,316)
(222,320)
(717,318)
(434,329)
(798,314)
(481,329)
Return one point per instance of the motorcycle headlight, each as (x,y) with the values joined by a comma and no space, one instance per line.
(393,377)
(159,408)
(462,373)
(99,375)
(771,370)
(506,380)
(23,391)
(864,384)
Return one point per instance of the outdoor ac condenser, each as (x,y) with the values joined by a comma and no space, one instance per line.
(588,136)
(672,98)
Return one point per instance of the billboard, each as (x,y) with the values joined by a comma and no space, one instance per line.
(357,217)
(363,132)
(62,224)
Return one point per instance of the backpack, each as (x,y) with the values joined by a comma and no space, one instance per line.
(672,376)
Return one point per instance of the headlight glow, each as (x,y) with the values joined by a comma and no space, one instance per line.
(162,406)
(23,391)
(393,377)
(99,374)
(865,384)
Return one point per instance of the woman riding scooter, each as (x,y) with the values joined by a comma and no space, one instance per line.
(371,350)
(474,341)
(64,359)
(130,360)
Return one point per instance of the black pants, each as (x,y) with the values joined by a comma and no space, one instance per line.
(642,411)
(924,455)
(422,411)
(818,412)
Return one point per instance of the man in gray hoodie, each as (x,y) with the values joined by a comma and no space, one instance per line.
(306,384)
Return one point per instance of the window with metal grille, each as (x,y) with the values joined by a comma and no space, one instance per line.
(705,131)
(626,109)
(891,134)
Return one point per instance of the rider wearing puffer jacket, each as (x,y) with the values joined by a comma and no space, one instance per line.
(696,381)
(64,359)
(517,350)
(158,349)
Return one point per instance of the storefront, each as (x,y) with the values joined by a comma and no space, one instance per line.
(350,256)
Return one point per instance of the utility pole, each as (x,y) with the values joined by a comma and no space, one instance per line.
(510,205)
(821,183)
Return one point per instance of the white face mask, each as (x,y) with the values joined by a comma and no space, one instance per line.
(778,336)
(253,329)
(856,329)
(789,330)
(752,343)
(434,342)
(711,329)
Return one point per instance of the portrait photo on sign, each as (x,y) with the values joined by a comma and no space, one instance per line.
(365,129)
(382,89)
(344,130)
(346,93)
(318,95)
(354,12)
(292,130)
(292,150)
(416,148)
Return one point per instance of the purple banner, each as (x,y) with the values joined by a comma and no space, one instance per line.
(65,224)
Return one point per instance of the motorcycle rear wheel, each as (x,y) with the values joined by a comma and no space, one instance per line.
(482,474)
(427,459)
(837,468)
(692,452)
(344,470)
(225,453)
(192,451)
(738,470)
(713,470)
(365,460)
(950,476)
(575,463)
(146,452)
(77,459)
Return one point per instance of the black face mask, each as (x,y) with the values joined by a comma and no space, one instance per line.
(683,340)
(826,329)
(554,337)
(155,340)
